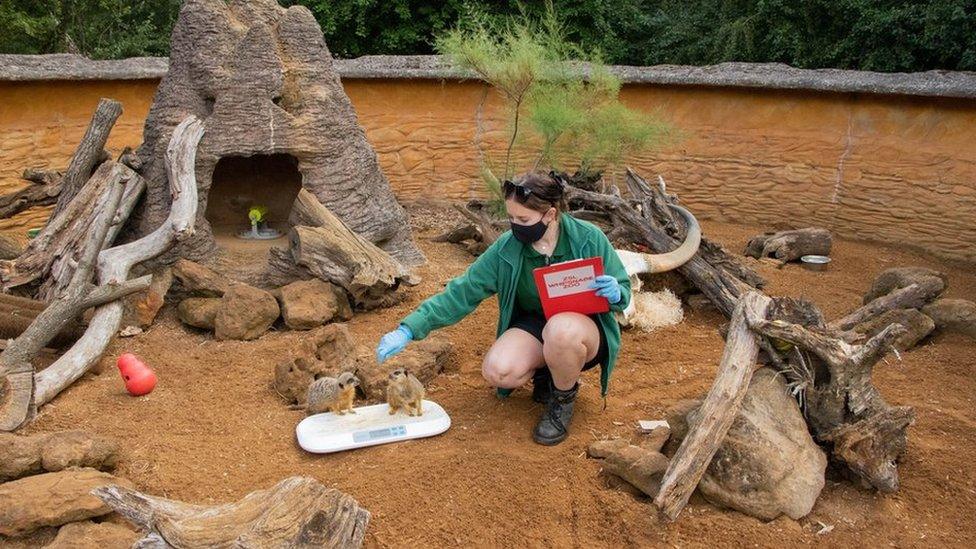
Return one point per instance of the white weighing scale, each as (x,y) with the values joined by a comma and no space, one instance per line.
(369,426)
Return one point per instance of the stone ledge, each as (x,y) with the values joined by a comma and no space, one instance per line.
(735,75)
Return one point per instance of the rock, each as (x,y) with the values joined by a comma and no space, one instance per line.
(88,535)
(307,304)
(328,351)
(640,467)
(245,313)
(953,315)
(19,456)
(27,455)
(900,277)
(78,449)
(424,359)
(142,307)
(199,281)
(768,464)
(603,448)
(918,325)
(199,312)
(656,439)
(677,416)
(52,499)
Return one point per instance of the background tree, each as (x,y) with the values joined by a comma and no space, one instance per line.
(881,35)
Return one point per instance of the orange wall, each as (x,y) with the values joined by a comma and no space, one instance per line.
(897,169)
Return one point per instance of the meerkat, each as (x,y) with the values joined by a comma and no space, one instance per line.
(331,394)
(405,391)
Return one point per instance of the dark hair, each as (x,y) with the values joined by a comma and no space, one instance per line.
(536,190)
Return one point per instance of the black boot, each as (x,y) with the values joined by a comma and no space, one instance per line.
(542,385)
(553,426)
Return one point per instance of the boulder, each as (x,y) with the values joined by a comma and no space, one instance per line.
(52,499)
(327,351)
(28,455)
(603,448)
(918,324)
(245,313)
(953,315)
(768,464)
(142,307)
(307,304)
(78,449)
(900,277)
(641,467)
(199,312)
(199,281)
(656,439)
(88,534)
(424,359)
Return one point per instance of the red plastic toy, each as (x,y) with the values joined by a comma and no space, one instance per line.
(139,378)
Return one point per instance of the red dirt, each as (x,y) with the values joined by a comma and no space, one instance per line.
(214,430)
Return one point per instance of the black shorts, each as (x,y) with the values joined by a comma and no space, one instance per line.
(534,323)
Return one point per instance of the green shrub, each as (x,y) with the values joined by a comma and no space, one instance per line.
(563,106)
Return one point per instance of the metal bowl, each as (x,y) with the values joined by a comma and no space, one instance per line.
(815,262)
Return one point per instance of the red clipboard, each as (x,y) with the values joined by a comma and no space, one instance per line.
(564,287)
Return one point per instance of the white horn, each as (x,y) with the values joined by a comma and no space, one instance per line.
(635,262)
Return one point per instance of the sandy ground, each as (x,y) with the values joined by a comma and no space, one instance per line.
(214,430)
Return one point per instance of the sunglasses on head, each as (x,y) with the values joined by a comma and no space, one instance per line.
(518,189)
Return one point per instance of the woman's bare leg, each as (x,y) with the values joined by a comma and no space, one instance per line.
(512,359)
(571,339)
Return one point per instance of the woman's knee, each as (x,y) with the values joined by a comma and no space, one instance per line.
(565,329)
(501,372)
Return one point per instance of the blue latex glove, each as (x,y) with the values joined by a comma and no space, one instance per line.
(606,286)
(393,342)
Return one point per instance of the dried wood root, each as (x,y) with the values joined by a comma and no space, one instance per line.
(296,512)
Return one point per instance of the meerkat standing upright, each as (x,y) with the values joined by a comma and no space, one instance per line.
(332,394)
(405,391)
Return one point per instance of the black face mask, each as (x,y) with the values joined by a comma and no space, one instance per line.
(527,234)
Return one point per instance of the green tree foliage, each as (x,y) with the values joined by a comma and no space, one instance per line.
(100,29)
(562,102)
(882,35)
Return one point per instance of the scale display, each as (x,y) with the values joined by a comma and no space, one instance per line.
(369,426)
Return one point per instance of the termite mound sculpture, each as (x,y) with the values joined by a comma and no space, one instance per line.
(276,121)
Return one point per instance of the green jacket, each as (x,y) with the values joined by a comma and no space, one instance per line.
(496,272)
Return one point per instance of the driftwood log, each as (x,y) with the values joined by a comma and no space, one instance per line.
(52,256)
(296,512)
(844,410)
(10,248)
(648,216)
(17,314)
(88,153)
(786,246)
(717,411)
(23,391)
(914,296)
(115,263)
(43,191)
(326,248)
(15,361)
